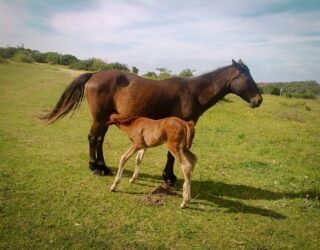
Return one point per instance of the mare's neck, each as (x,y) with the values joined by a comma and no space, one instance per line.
(211,87)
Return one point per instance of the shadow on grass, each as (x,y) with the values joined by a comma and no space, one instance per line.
(219,192)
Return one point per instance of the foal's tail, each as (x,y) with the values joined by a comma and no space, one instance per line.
(70,99)
(190,133)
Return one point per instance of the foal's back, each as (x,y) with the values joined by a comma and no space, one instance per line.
(145,132)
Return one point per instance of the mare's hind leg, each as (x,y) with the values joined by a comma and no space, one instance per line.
(168,175)
(138,162)
(96,137)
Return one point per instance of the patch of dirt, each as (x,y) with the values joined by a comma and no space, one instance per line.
(70,72)
(157,195)
(152,200)
(163,190)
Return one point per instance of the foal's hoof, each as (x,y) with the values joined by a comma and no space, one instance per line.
(113,188)
(183,205)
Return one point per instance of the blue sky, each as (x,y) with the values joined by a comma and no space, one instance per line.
(278,39)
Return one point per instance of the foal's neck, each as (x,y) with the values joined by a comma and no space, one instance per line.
(211,87)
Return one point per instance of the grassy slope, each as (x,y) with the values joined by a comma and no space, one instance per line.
(255,186)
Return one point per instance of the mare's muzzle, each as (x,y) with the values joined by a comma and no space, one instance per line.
(256,101)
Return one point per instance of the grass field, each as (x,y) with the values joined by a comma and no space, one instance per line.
(256,184)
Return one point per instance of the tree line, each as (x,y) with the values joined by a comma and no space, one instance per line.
(296,89)
(302,89)
(22,54)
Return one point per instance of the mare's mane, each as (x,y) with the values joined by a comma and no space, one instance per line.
(212,74)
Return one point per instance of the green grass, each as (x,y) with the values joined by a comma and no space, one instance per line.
(256,184)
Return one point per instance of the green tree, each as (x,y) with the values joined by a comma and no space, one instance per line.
(150,74)
(8,52)
(186,73)
(119,66)
(52,57)
(98,64)
(164,73)
(67,59)
(38,56)
(134,70)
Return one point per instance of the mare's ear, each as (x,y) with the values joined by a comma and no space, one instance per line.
(240,62)
(237,65)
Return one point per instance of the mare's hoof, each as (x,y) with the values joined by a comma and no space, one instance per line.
(106,171)
(102,172)
(169,180)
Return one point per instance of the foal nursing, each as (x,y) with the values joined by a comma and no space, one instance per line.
(146,133)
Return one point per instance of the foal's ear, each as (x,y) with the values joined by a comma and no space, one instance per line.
(234,62)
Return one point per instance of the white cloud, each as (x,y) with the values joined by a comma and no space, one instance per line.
(200,35)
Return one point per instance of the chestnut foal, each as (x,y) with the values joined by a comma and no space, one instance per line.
(146,133)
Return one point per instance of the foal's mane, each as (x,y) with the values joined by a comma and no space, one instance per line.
(120,120)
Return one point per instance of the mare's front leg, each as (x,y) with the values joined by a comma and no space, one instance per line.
(96,138)
(168,175)
(124,158)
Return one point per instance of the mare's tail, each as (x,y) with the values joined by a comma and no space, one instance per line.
(69,100)
(190,133)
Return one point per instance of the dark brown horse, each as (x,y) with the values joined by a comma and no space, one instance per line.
(113,91)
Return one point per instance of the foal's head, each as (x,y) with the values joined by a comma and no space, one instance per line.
(243,85)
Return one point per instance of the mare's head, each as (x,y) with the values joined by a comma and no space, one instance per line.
(243,85)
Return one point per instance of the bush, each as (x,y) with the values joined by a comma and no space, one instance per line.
(186,73)
(8,52)
(150,74)
(308,95)
(38,57)
(2,60)
(119,66)
(92,64)
(24,57)
(67,59)
(275,91)
(52,57)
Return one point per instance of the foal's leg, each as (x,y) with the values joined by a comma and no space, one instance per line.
(168,175)
(96,136)
(138,161)
(191,157)
(187,168)
(124,158)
